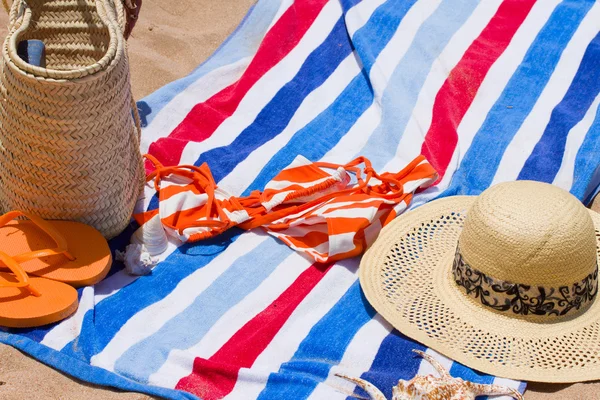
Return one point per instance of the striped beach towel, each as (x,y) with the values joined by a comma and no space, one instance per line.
(488,91)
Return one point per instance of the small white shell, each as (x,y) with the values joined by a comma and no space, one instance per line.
(152,235)
(137,260)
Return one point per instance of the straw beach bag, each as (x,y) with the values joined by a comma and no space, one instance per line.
(69,133)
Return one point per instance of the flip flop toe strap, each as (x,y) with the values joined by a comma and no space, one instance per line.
(61,243)
(20,274)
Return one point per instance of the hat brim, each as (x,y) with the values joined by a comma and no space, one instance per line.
(407,277)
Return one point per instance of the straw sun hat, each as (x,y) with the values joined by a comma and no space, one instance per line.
(505,282)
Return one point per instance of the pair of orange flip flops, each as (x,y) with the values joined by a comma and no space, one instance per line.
(41,264)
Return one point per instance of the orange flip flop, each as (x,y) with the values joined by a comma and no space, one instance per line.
(65,251)
(29,302)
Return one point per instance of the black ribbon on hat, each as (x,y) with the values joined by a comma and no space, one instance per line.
(524,299)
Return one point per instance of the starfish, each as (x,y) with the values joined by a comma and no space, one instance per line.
(446,387)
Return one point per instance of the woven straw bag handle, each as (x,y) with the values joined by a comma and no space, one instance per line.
(110,11)
(7,4)
(114,17)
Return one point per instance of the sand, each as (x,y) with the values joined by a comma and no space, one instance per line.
(172,37)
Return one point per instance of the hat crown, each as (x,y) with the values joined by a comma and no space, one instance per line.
(529,233)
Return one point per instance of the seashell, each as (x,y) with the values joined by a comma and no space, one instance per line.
(137,260)
(152,235)
(446,387)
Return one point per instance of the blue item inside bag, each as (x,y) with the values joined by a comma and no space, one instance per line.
(32,52)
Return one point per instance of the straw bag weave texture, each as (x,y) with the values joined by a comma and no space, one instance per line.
(69,133)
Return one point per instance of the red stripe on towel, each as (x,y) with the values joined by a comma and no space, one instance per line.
(215,377)
(206,117)
(458,91)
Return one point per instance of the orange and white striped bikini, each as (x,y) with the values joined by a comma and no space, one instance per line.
(326,211)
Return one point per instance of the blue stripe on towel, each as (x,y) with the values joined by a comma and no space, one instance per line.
(460,371)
